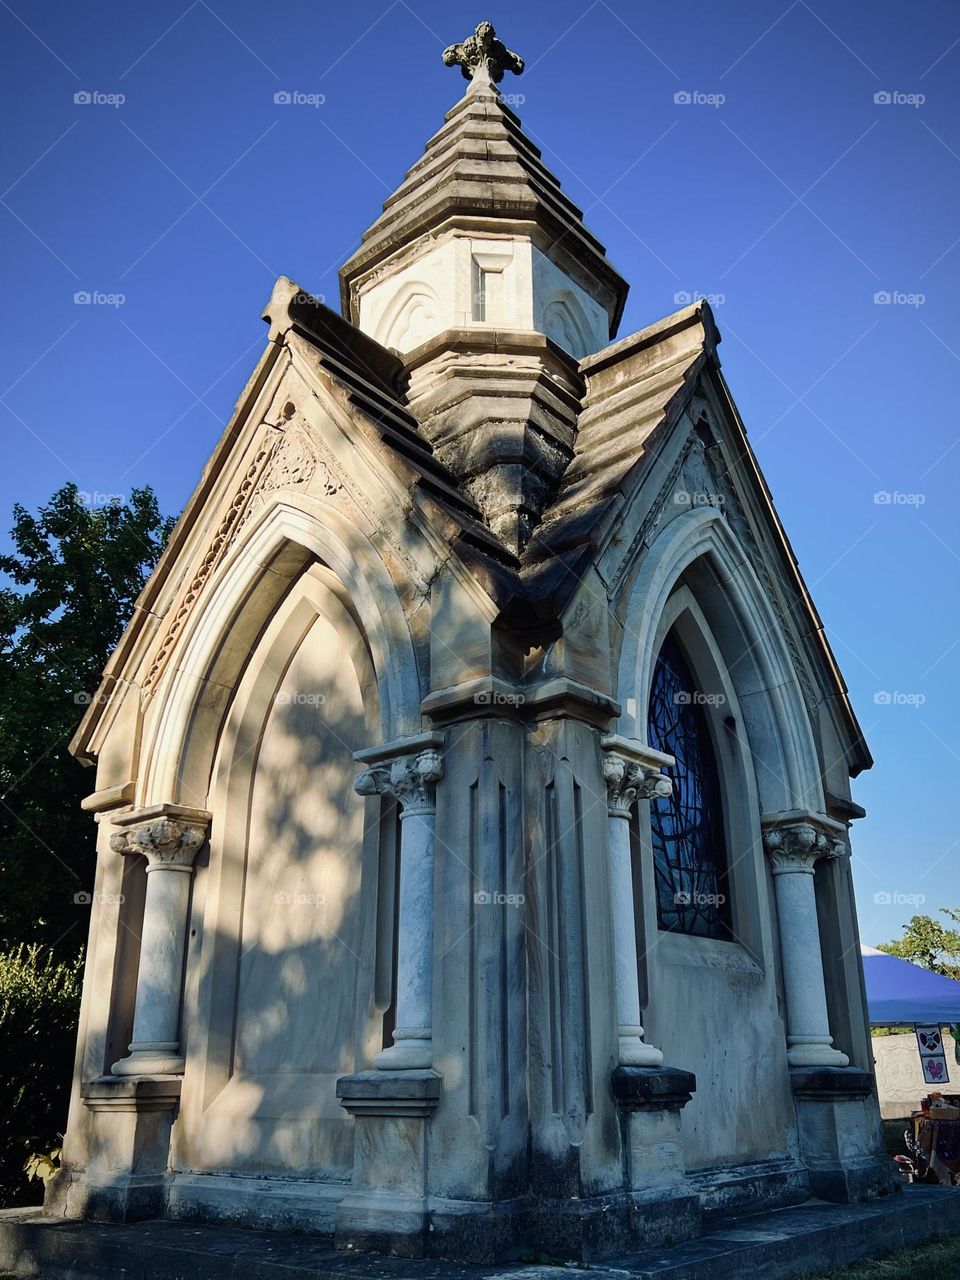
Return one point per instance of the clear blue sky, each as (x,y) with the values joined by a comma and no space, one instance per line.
(796,199)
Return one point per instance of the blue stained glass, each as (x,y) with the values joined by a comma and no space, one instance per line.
(689,849)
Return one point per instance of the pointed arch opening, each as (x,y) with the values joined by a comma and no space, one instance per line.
(688,827)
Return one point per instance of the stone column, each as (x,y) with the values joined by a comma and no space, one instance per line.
(169,837)
(411,779)
(628,779)
(794,843)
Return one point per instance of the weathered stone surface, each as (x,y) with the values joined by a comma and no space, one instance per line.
(777,1245)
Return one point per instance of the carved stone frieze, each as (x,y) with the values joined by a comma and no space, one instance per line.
(285,459)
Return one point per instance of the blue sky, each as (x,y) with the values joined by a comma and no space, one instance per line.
(783,188)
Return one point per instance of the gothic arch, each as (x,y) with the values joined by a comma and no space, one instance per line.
(700,547)
(414,302)
(273,553)
(565,322)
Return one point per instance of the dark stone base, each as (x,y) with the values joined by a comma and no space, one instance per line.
(828,1083)
(850,1182)
(584,1230)
(811,1238)
(130,1199)
(385,1224)
(652,1088)
(600,1227)
(751,1188)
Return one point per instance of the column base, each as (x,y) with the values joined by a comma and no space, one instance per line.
(414,1054)
(635,1052)
(820,1053)
(386,1208)
(125,1179)
(150,1062)
(663,1207)
(839,1126)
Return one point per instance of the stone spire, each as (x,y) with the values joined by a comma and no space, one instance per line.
(482,276)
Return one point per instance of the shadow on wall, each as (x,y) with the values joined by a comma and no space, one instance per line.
(283,1002)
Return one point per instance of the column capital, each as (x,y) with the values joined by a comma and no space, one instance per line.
(169,836)
(411,780)
(408,770)
(629,780)
(795,841)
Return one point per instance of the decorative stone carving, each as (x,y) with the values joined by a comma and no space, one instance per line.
(483,56)
(215,551)
(293,462)
(797,846)
(411,780)
(165,842)
(284,460)
(627,781)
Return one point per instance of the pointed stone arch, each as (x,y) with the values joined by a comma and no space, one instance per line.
(700,547)
(182,728)
(564,320)
(411,316)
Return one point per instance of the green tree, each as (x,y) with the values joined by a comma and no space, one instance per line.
(39,1006)
(930,944)
(74,573)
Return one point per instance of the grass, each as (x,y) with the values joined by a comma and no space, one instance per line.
(938,1260)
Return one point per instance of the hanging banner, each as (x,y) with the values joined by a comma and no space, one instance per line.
(932,1057)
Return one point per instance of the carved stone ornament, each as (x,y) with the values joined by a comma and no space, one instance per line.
(165,842)
(482,55)
(283,460)
(797,845)
(627,781)
(411,780)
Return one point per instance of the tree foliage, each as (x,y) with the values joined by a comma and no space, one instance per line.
(74,573)
(39,1005)
(930,944)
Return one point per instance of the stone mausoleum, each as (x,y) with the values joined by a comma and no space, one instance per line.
(473,778)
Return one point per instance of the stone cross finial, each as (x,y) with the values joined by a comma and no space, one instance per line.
(483,56)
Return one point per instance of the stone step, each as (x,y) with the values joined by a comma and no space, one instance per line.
(802,1240)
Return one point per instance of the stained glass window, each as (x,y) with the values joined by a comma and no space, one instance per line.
(689,853)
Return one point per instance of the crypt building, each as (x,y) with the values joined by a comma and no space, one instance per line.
(473,777)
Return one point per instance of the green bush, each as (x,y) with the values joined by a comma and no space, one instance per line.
(39,1008)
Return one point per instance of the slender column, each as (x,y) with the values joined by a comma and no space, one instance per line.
(627,781)
(411,780)
(169,837)
(794,844)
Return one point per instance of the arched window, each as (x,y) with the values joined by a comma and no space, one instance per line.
(687,827)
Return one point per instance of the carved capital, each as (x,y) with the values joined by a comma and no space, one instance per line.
(797,844)
(168,840)
(410,779)
(628,781)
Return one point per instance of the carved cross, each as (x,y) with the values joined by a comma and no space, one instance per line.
(482,56)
